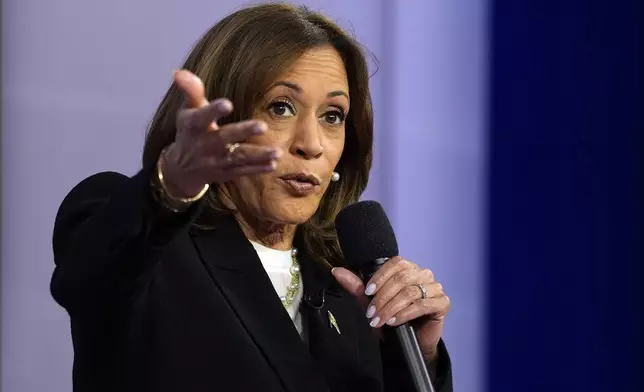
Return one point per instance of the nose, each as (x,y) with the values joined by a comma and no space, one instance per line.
(307,142)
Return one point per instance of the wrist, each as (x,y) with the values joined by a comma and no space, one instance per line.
(176,185)
(431,356)
(169,193)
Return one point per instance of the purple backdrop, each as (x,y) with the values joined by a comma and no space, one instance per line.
(81,80)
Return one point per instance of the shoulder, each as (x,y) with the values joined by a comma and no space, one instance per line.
(89,192)
(102,186)
(87,197)
(96,185)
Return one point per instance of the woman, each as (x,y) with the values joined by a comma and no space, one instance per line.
(185,277)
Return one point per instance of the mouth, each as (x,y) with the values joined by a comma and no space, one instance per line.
(301,184)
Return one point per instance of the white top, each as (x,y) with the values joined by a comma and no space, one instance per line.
(277,264)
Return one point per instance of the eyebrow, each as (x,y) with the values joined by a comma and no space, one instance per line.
(298,89)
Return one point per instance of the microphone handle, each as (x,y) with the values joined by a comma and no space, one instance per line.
(406,338)
(414,357)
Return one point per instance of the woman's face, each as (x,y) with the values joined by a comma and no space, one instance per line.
(305,110)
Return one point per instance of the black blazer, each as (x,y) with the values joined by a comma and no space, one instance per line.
(157,304)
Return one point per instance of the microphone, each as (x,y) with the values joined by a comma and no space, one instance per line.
(367,241)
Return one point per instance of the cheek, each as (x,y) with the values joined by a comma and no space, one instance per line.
(335,149)
(274,137)
(278,132)
(250,190)
(254,186)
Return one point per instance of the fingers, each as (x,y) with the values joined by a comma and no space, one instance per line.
(436,308)
(200,113)
(240,131)
(192,88)
(208,156)
(389,269)
(216,145)
(405,281)
(246,159)
(394,288)
(250,154)
(200,120)
(349,281)
(409,296)
(250,170)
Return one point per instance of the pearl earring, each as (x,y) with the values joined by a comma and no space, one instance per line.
(335,177)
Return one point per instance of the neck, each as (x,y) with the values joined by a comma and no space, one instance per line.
(278,236)
(273,235)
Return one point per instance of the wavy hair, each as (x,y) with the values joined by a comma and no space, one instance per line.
(238,58)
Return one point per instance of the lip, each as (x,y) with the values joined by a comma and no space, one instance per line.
(301,184)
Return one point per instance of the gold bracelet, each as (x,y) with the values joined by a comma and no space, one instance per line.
(182,200)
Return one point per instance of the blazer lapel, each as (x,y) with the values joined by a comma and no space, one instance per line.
(326,305)
(234,266)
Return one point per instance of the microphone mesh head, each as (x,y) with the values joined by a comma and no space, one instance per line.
(365,233)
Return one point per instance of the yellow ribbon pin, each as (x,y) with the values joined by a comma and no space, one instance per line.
(333,323)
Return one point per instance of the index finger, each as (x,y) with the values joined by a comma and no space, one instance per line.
(200,119)
(192,88)
(389,269)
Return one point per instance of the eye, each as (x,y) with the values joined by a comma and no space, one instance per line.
(334,117)
(281,108)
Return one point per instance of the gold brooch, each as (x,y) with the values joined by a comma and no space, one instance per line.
(333,323)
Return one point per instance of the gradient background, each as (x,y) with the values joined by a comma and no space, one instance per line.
(508,156)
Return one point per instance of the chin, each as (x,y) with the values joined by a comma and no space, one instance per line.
(294,211)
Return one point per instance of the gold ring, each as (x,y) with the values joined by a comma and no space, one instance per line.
(231,149)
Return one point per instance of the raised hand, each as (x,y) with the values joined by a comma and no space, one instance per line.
(204,153)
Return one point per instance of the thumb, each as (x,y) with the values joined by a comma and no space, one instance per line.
(192,87)
(350,282)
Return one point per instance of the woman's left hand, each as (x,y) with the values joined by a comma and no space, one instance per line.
(398,298)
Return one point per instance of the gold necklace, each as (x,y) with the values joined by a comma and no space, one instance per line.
(294,286)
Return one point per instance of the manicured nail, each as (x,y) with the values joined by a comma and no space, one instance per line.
(371,311)
(391,321)
(259,128)
(333,269)
(374,322)
(224,106)
(276,154)
(371,288)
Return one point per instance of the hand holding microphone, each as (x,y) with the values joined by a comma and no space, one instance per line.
(398,298)
(401,292)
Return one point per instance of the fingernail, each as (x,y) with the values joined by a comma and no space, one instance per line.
(276,154)
(391,321)
(333,269)
(259,128)
(374,322)
(224,105)
(371,288)
(269,168)
(371,311)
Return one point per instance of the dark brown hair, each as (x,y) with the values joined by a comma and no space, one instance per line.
(238,58)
